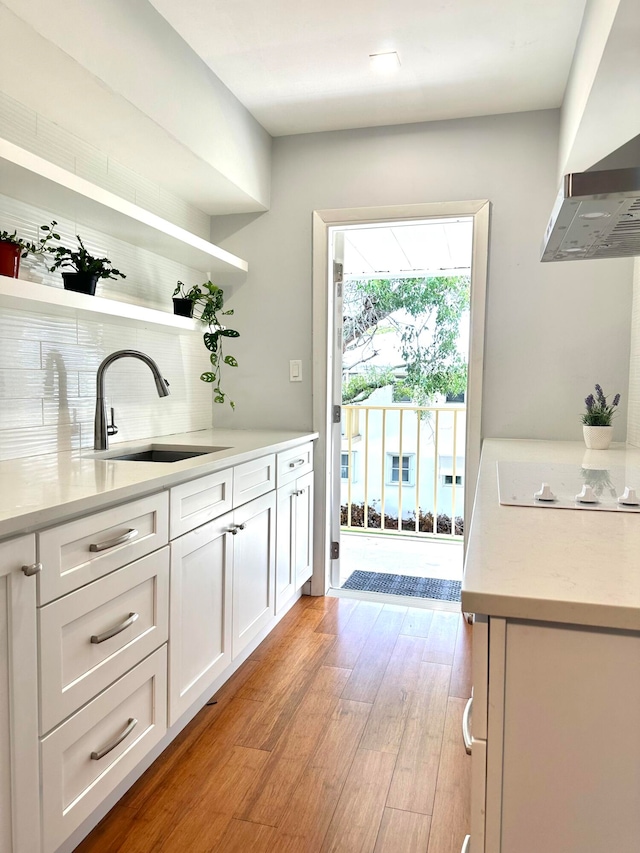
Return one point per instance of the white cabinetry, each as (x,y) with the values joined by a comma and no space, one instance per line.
(223,572)
(294,558)
(222,596)
(200,648)
(19,783)
(560,769)
(103,628)
(112,590)
(253,570)
(88,755)
(93,635)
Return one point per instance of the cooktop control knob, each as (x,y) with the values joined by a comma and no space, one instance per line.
(628,497)
(587,495)
(545,493)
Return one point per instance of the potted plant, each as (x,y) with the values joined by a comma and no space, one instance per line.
(596,422)
(207,301)
(13,248)
(184,300)
(87,268)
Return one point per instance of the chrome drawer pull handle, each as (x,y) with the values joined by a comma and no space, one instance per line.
(111,632)
(233,530)
(298,492)
(466,725)
(131,724)
(111,543)
(242,526)
(33,569)
(296,464)
(466,845)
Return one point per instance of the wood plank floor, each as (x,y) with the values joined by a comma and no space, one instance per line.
(342,732)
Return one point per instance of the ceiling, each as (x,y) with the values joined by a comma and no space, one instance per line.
(434,247)
(302,67)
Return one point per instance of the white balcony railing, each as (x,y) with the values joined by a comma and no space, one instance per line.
(402,469)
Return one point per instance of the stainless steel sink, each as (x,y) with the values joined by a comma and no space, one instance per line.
(162,454)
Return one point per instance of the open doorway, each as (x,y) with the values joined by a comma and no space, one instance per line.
(402,459)
(405,342)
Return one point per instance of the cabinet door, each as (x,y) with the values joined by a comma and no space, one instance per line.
(200,611)
(571,756)
(19,783)
(285,545)
(303,536)
(253,569)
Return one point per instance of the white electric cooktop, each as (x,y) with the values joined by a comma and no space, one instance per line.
(555,486)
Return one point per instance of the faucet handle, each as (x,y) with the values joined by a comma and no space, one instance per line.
(112,429)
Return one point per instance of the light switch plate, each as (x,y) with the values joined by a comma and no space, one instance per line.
(295,370)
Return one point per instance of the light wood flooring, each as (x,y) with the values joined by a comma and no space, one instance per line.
(342,732)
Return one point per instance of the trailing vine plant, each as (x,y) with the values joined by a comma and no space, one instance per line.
(208,298)
(26,246)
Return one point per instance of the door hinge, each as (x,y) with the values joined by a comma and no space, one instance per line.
(338,278)
(335,550)
(337,415)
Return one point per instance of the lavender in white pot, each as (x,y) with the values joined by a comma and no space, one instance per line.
(596,422)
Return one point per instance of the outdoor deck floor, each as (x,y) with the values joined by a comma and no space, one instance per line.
(419,557)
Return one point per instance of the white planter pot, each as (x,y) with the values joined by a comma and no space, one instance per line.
(597,437)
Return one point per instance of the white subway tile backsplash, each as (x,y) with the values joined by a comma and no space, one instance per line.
(68,410)
(19,325)
(16,383)
(66,358)
(35,441)
(15,414)
(24,354)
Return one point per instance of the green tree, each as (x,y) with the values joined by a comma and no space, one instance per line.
(424,314)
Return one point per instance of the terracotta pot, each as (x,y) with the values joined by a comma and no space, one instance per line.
(9,259)
(597,437)
(183,307)
(80,282)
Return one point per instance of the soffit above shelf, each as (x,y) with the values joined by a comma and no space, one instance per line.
(36,181)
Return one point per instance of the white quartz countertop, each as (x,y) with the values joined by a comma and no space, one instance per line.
(550,564)
(38,491)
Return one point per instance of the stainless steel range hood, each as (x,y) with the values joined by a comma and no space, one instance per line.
(596,215)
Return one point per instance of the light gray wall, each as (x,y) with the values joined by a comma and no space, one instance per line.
(552,331)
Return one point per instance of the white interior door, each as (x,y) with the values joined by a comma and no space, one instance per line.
(335,273)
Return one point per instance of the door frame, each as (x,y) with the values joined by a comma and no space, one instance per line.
(323,332)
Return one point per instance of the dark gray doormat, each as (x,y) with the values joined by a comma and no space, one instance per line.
(404,585)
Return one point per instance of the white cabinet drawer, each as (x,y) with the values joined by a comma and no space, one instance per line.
(73,782)
(253,479)
(480,675)
(199,501)
(295,462)
(78,552)
(92,636)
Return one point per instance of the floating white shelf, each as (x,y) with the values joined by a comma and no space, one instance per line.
(32,179)
(30,296)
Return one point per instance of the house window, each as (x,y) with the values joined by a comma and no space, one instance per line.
(447,479)
(455,398)
(344,466)
(397,469)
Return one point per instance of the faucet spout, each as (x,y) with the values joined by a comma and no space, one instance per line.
(101,428)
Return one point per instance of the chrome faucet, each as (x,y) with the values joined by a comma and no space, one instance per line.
(102,430)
